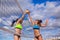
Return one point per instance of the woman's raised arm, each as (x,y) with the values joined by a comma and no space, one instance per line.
(31,19)
(43,25)
(20,19)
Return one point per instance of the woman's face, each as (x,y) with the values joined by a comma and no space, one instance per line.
(36,21)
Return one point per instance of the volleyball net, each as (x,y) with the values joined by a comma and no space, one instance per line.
(9,11)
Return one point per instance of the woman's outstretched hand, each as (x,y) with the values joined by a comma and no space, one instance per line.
(46,23)
(47,20)
(27,11)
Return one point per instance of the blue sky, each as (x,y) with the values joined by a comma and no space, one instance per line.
(40,9)
(42,1)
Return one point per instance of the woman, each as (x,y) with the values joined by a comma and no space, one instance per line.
(18,28)
(36,26)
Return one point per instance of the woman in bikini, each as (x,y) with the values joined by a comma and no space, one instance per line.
(18,26)
(36,27)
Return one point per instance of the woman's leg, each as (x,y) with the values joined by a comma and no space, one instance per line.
(35,39)
(40,37)
(37,34)
(17,36)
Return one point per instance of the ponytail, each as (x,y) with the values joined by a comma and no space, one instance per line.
(13,22)
(39,22)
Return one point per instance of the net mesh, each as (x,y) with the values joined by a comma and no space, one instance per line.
(9,11)
(8,8)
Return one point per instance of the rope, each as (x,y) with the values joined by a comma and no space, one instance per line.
(19,6)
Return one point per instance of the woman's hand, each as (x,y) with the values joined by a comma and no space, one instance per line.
(46,20)
(27,11)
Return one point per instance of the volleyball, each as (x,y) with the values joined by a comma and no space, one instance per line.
(27,11)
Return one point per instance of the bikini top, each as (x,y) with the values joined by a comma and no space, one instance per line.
(18,25)
(36,26)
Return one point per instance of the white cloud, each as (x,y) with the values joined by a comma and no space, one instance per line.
(50,5)
(6,27)
(0,20)
(12,17)
(25,23)
(30,28)
(7,21)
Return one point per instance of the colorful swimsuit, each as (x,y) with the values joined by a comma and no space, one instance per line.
(36,27)
(19,26)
